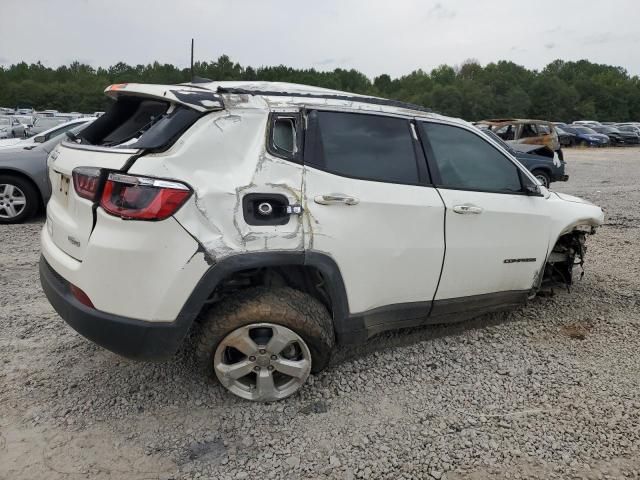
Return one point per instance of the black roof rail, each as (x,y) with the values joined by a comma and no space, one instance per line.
(349,98)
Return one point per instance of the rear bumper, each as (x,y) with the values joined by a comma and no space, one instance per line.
(132,338)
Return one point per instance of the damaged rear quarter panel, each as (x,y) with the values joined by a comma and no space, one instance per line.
(223,157)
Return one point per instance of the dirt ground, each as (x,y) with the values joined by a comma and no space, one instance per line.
(550,390)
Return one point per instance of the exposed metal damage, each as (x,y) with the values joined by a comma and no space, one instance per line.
(568,252)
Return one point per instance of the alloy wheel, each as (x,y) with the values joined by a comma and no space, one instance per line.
(262,362)
(12,201)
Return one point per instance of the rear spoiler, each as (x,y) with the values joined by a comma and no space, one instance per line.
(196,98)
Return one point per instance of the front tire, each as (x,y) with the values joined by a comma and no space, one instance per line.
(19,199)
(543,177)
(262,343)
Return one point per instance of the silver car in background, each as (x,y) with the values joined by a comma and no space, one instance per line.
(44,136)
(12,127)
(24,182)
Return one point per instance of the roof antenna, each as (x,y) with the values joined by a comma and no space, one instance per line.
(192,77)
(195,79)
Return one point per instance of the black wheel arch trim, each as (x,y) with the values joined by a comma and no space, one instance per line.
(245,261)
(148,340)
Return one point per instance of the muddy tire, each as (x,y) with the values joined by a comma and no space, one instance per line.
(255,317)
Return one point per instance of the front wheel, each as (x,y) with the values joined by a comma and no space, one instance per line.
(262,343)
(543,177)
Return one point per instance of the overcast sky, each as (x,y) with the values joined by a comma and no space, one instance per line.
(373,36)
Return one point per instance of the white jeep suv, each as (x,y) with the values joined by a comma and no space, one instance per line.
(278,220)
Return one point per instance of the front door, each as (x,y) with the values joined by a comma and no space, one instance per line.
(497,235)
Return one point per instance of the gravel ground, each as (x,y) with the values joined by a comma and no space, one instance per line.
(550,390)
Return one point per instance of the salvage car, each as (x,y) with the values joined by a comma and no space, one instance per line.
(24,184)
(287,219)
(542,162)
(567,139)
(586,137)
(531,132)
(629,128)
(617,136)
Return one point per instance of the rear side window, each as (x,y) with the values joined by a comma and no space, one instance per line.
(506,132)
(367,147)
(134,122)
(465,161)
(529,130)
(284,140)
(544,129)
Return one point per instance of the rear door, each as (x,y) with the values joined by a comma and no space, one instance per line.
(372,208)
(496,235)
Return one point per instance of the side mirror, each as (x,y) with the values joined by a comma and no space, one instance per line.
(39,139)
(533,190)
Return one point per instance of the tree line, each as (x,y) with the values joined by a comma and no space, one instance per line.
(562,91)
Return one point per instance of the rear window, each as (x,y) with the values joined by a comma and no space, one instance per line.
(134,122)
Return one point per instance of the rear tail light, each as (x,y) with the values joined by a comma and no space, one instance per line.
(86,181)
(140,198)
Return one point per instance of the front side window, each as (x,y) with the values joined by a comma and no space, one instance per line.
(367,147)
(466,161)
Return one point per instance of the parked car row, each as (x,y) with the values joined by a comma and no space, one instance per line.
(25,122)
(587,133)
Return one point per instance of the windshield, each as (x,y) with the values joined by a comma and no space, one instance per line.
(585,130)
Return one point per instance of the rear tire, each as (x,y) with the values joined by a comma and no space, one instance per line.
(19,199)
(237,335)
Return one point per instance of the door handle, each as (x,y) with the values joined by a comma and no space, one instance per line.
(467,209)
(336,198)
